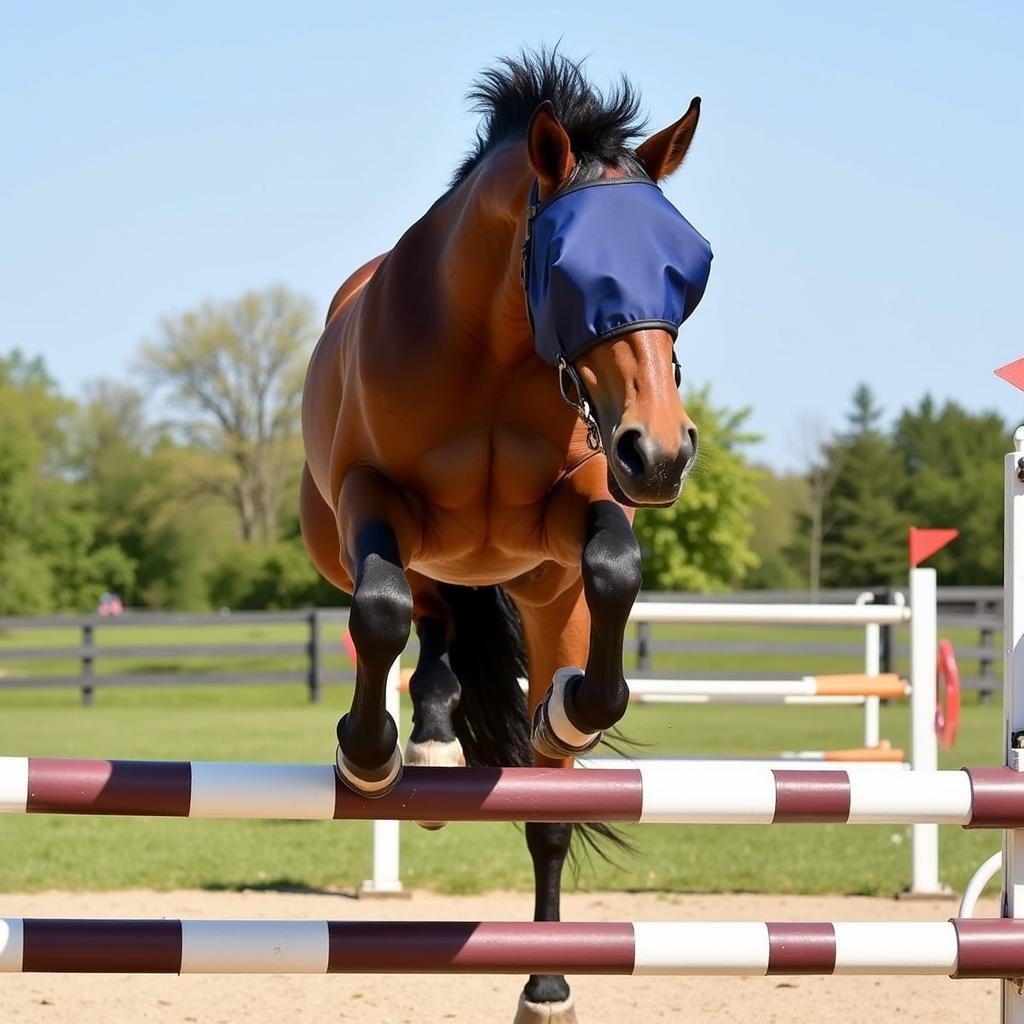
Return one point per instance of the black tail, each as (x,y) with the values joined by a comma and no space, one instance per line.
(488,657)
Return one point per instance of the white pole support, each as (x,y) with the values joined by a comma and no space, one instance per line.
(387,878)
(872,666)
(1013,697)
(976,886)
(923,742)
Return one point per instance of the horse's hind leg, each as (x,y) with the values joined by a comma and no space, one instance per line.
(376,530)
(555,634)
(433,688)
(546,998)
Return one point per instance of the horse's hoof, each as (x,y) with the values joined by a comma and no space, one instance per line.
(553,735)
(563,1012)
(435,754)
(371,784)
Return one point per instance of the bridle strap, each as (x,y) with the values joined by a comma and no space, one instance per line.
(568,383)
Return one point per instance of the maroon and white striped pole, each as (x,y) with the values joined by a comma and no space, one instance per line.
(701,793)
(961,948)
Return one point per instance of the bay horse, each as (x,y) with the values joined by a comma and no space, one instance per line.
(487,405)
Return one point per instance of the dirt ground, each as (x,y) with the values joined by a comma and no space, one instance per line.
(390,999)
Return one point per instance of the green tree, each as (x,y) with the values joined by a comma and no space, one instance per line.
(774,525)
(235,370)
(702,543)
(30,432)
(955,478)
(50,555)
(278,576)
(865,543)
(148,500)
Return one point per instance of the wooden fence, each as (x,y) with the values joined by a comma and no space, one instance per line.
(87,653)
(317,660)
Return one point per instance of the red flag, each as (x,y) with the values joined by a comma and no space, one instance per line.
(1013,373)
(924,543)
(350,647)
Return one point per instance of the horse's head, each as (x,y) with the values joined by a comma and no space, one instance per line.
(611,273)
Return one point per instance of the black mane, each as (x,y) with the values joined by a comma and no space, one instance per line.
(601,127)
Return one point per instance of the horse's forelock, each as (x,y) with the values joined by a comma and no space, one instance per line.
(602,126)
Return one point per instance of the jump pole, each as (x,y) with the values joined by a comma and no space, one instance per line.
(821,688)
(843,688)
(959,948)
(787,761)
(647,792)
(708,612)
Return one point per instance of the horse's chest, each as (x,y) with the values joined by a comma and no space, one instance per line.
(495,467)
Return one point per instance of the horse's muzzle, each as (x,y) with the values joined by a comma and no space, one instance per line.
(646,473)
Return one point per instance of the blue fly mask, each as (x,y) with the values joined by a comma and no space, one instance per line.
(599,262)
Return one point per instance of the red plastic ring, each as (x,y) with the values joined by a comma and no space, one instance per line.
(947,699)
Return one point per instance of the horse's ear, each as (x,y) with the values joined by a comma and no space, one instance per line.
(663,152)
(549,147)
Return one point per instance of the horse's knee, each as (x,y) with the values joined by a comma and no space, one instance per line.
(368,759)
(612,567)
(381,615)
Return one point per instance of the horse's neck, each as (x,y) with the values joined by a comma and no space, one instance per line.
(482,258)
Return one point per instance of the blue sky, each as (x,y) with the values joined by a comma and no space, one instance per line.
(857,170)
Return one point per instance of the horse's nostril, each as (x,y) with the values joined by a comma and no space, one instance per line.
(689,453)
(630,454)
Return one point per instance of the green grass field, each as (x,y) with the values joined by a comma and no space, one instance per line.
(276,724)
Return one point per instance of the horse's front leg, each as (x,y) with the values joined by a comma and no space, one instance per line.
(583,702)
(377,532)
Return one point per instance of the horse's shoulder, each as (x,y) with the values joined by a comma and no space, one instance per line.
(352,286)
